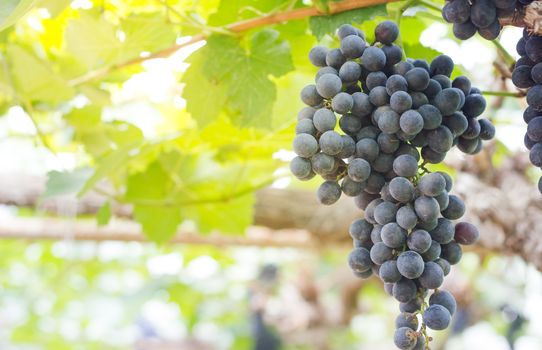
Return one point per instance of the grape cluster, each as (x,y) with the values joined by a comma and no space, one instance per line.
(396,116)
(527,74)
(482,16)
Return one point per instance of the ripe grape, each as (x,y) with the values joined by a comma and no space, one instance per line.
(317,56)
(329,192)
(437,317)
(328,85)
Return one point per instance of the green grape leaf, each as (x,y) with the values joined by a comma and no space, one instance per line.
(104,214)
(12,10)
(55,7)
(322,25)
(95,42)
(34,79)
(237,78)
(65,182)
(154,184)
(232,11)
(231,216)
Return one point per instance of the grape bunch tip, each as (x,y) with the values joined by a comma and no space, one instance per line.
(395,117)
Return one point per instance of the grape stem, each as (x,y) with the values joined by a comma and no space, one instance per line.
(518,94)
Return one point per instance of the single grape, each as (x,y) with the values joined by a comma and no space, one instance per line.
(385,213)
(335,58)
(388,143)
(536,73)
(401,189)
(534,96)
(380,253)
(466,233)
(405,165)
(367,149)
(406,149)
(464,31)
(352,46)
(419,241)
(487,129)
(389,122)
(437,317)
(448,101)
(456,11)
(324,120)
(432,89)
(404,290)
(418,99)
(406,319)
(432,276)
(405,338)
(455,209)
(396,83)
(451,252)
(300,167)
(305,145)
(350,125)
(411,306)
(444,265)
(421,64)
(442,64)
(310,96)
(351,188)
(521,77)
(378,96)
(492,31)
(535,155)
(331,142)
(306,113)
(431,156)
(386,32)
(440,139)
(325,70)
(431,115)
(317,56)
(305,126)
(457,123)
(444,298)
(393,235)
(410,264)
(402,68)
(350,72)
(360,260)
(323,164)
(328,85)
(411,122)
(342,103)
(417,79)
(475,104)
(432,184)
(393,53)
(362,106)
(533,48)
(433,253)
(375,79)
(346,30)
(400,101)
(329,192)
(359,169)
(426,208)
(483,13)
(383,163)
(388,272)
(373,59)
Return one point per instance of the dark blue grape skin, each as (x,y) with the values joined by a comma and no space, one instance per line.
(359,260)
(533,48)
(457,123)
(362,106)
(419,241)
(375,79)
(388,272)
(407,319)
(410,264)
(375,182)
(329,192)
(431,156)
(451,252)
(386,32)
(389,122)
(378,96)
(396,83)
(421,64)
(405,165)
(455,209)
(385,213)
(411,306)
(405,338)
(346,30)
(309,95)
(388,143)
(483,13)
(442,64)
(402,190)
(444,265)
(444,232)
(475,104)
(305,145)
(351,188)
(492,31)
(306,113)
(380,253)
(487,129)
(393,53)
(432,184)
(445,299)
(375,234)
(367,149)
(432,89)
(350,124)
(536,73)
(417,79)
(534,97)
(360,229)
(529,144)
(521,77)
(411,122)
(464,31)
(402,68)
(448,101)
(437,317)
(373,59)
(400,101)
(328,85)
(350,71)
(440,139)
(433,253)
(432,276)
(466,233)
(352,46)
(393,235)
(457,11)
(335,58)
(404,290)
(463,83)
(317,56)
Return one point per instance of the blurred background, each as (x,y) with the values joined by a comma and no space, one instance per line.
(146,201)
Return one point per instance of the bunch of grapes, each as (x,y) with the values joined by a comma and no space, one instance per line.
(527,74)
(468,17)
(482,16)
(395,117)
